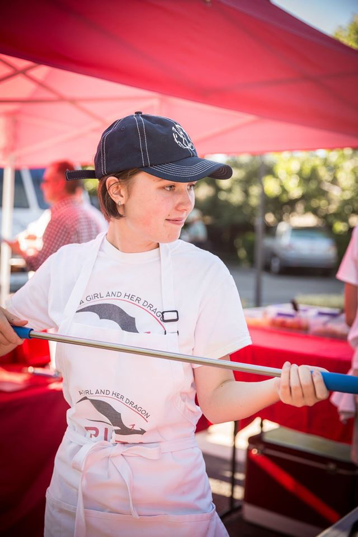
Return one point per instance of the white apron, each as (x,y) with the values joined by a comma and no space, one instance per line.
(128,463)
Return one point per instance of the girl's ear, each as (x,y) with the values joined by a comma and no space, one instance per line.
(116,190)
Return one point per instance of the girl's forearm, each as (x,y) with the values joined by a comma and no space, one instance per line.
(234,400)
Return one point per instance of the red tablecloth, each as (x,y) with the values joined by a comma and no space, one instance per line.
(33,352)
(272,348)
(32,425)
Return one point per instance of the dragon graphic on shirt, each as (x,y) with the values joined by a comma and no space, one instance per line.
(114,417)
(113,313)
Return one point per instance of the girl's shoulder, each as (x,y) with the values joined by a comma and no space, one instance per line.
(71,257)
(75,248)
(197,260)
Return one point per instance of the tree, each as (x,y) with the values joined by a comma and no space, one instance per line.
(321,183)
(348,34)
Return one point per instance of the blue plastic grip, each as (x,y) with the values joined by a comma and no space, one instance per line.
(22,331)
(336,382)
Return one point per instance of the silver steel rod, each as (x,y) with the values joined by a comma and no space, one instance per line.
(224,364)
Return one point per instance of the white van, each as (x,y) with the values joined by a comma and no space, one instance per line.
(28,199)
(29,205)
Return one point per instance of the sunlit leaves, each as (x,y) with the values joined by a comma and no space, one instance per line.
(322,183)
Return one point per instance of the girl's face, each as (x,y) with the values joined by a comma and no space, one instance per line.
(154,210)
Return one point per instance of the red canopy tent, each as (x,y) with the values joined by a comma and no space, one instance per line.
(247,56)
(44,110)
(243,76)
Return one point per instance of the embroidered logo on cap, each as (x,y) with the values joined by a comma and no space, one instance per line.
(182,138)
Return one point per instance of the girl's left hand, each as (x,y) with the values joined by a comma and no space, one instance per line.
(298,386)
(355,373)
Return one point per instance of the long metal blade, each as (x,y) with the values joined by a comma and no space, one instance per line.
(224,364)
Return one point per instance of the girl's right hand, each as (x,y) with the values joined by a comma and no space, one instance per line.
(8,336)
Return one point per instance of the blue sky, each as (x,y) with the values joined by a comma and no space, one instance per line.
(325,15)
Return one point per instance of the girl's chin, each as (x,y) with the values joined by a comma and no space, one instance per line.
(167,241)
(170,237)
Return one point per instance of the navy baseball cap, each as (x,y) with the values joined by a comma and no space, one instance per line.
(154,144)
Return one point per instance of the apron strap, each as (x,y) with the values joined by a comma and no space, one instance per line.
(170,315)
(81,283)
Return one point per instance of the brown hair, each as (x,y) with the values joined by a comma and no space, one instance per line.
(108,206)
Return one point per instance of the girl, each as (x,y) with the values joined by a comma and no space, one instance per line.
(129,464)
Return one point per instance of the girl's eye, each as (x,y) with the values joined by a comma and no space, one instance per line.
(170,188)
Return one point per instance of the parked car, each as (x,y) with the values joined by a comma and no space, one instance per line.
(299,247)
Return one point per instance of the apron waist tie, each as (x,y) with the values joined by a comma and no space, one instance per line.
(116,453)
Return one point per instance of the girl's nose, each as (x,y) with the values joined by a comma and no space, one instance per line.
(186,200)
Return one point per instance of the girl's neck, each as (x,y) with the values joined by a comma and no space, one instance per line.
(127,241)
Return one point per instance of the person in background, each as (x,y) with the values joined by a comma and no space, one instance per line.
(70,219)
(348,273)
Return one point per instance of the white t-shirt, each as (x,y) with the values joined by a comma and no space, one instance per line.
(348,273)
(127,289)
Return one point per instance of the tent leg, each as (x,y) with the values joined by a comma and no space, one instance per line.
(259,232)
(6,227)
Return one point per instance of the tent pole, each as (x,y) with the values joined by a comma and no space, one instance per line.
(259,234)
(6,229)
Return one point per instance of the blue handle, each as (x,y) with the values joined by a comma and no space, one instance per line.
(22,331)
(336,382)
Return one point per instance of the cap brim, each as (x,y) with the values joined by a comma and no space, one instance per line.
(80,174)
(190,169)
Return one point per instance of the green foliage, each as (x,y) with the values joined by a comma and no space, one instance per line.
(322,183)
(323,301)
(91,185)
(349,34)
(230,206)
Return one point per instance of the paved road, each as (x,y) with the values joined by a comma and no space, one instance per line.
(282,288)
